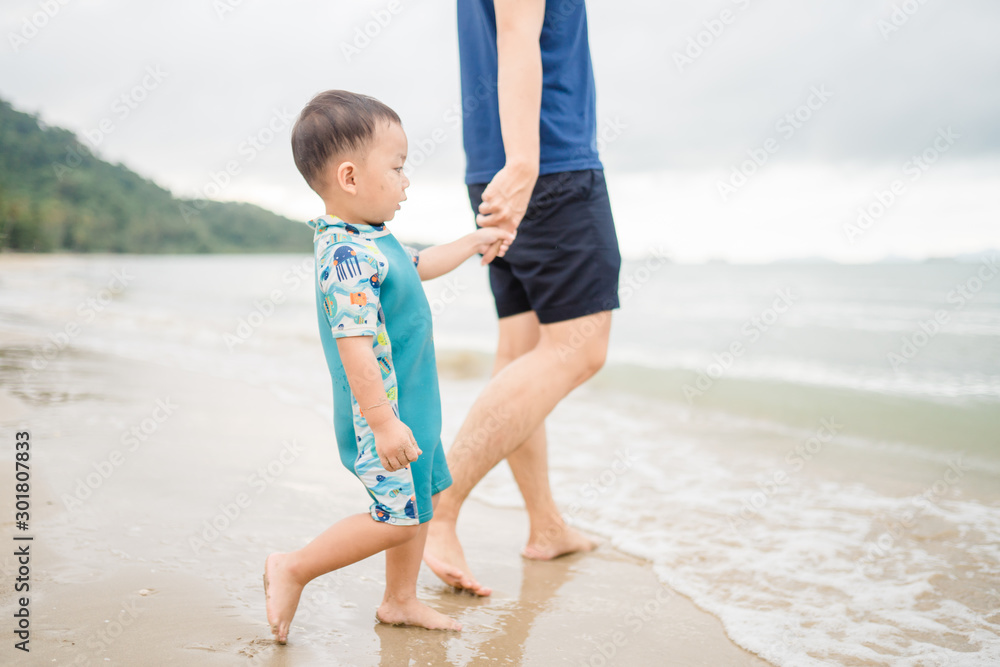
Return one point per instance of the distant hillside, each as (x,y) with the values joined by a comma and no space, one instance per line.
(56,195)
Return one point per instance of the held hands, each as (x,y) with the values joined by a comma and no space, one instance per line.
(491,242)
(505,201)
(395,445)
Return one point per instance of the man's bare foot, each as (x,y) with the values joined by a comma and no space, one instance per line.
(443,554)
(556,541)
(416,613)
(281,595)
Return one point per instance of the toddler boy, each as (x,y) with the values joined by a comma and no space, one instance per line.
(375,326)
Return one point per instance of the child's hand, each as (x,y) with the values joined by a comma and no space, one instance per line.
(491,242)
(395,445)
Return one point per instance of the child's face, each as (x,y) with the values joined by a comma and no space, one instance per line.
(381,183)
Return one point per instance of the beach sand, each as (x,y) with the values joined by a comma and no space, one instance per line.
(157,493)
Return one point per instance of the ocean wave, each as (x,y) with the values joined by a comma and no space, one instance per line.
(808,564)
(934,415)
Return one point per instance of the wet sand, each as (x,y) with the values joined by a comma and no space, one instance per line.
(158,492)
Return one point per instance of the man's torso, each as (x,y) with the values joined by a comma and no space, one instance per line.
(567,126)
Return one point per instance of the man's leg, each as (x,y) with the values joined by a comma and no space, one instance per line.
(511,407)
(549,536)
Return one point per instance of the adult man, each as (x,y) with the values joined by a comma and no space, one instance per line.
(532,168)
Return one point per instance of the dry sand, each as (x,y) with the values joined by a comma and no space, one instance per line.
(133,573)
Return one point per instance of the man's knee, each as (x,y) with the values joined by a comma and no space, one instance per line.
(581,364)
(582,345)
(592,359)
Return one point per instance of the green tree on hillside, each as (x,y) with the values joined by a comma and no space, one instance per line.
(55,195)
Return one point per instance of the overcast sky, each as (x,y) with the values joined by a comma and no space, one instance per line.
(832,99)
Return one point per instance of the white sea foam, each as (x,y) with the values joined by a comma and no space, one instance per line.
(823,572)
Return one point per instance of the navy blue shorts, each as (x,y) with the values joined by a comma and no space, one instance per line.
(565,261)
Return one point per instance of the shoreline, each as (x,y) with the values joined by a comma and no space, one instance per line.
(135,573)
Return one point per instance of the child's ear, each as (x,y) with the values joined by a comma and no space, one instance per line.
(346,173)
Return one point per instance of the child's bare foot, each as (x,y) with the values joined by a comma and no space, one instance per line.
(416,613)
(281,595)
(557,541)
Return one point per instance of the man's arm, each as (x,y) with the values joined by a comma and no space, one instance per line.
(519,90)
(394,441)
(441,259)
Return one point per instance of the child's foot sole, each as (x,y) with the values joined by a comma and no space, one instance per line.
(274,629)
(280,634)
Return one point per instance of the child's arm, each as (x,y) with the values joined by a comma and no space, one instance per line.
(394,441)
(440,259)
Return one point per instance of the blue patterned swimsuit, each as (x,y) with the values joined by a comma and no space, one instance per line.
(367,285)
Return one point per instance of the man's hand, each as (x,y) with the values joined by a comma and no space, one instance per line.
(395,445)
(505,201)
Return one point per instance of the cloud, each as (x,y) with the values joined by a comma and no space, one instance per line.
(233,64)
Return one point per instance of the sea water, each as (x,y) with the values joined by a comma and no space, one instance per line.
(811,452)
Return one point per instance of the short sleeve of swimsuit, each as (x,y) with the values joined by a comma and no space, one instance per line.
(351,276)
(413,253)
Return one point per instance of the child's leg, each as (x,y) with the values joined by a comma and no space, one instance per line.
(400,605)
(355,538)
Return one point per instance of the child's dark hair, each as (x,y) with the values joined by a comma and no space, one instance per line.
(333,123)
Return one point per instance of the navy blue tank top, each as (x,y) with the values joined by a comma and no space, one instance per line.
(568,123)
